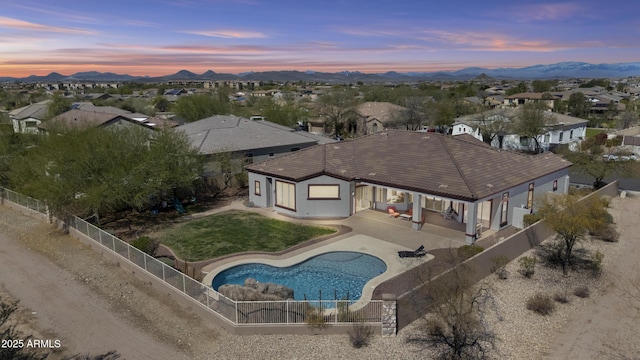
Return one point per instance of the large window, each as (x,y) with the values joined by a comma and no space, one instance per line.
(256,187)
(324,192)
(285,195)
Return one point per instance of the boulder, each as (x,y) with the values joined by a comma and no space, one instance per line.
(256,291)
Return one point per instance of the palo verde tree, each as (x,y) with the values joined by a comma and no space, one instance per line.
(571,220)
(100,170)
(532,122)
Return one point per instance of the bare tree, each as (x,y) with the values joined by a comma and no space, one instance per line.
(336,108)
(456,326)
(492,125)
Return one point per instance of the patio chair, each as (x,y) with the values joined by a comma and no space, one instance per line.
(392,212)
(419,252)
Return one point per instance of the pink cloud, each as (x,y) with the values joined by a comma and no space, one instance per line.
(229,34)
(553,12)
(29,26)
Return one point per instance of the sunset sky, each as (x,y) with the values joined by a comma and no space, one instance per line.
(160,37)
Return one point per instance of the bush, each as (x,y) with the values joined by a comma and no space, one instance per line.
(561,297)
(596,263)
(542,304)
(315,318)
(527,266)
(500,266)
(145,244)
(467,251)
(606,233)
(582,292)
(530,219)
(360,335)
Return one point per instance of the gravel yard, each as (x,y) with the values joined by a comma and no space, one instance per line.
(140,322)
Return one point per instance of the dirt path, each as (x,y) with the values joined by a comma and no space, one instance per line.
(90,305)
(609,327)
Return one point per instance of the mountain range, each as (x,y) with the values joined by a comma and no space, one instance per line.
(551,71)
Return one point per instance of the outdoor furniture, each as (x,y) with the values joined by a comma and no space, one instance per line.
(392,212)
(419,252)
(407,217)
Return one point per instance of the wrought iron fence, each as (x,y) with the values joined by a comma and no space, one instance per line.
(237,312)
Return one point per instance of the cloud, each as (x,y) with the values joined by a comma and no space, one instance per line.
(548,12)
(228,34)
(29,26)
(59,13)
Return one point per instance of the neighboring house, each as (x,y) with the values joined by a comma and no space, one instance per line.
(561,129)
(25,120)
(476,183)
(630,139)
(530,97)
(87,119)
(256,139)
(373,116)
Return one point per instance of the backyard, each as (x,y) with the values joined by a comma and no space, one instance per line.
(233,232)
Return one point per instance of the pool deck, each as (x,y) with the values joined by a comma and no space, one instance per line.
(386,251)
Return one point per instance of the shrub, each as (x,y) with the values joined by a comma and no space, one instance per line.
(527,266)
(467,251)
(542,304)
(360,334)
(582,292)
(145,244)
(596,263)
(561,297)
(500,266)
(530,219)
(607,233)
(315,318)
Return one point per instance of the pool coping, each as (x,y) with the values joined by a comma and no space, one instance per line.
(384,250)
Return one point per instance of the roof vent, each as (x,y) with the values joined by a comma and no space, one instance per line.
(443,186)
(489,185)
(280,169)
(372,174)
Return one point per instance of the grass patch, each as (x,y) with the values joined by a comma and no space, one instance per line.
(232,232)
(590,132)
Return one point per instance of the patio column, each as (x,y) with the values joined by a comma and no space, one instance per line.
(472,220)
(416,221)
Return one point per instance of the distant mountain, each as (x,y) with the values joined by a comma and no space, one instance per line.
(551,71)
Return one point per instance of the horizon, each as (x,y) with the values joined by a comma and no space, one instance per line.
(237,36)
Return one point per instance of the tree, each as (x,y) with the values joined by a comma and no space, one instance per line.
(520,88)
(456,327)
(590,160)
(92,172)
(541,86)
(411,117)
(58,105)
(578,105)
(195,107)
(532,122)
(627,119)
(286,112)
(336,108)
(492,126)
(160,103)
(442,115)
(571,219)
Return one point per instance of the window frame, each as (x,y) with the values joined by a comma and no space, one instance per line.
(309,197)
(278,195)
(504,211)
(257,188)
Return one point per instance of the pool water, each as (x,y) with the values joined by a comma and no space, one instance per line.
(340,275)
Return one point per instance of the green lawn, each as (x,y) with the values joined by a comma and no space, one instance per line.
(233,232)
(594,131)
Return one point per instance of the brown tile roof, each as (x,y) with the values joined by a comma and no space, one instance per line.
(458,167)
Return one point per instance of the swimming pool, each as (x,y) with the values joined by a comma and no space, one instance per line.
(342,274)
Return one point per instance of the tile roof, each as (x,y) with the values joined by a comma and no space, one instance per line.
(77,117)
(458,167)
(383,111)
(231,133)
(36,111)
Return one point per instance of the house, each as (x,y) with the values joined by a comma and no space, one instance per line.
(456,175)
(255,139)
(25,120)
(87,119)
(530,97)
(561,129)
(373,116)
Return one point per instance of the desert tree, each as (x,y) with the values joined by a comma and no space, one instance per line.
(578,105)
(571,220)
(336,108)
(532,122)
(456,326)
(195,107)
(492,126)
(590,160)
(58,105)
